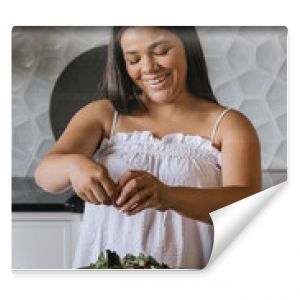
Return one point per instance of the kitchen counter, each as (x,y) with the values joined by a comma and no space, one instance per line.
(28,197)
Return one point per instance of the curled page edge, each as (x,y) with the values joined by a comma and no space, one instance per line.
(229,221)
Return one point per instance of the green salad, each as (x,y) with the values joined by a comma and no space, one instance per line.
(112,261)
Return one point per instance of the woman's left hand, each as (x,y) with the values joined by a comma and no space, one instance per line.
(140,190)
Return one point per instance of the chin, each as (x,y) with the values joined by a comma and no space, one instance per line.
(160,98)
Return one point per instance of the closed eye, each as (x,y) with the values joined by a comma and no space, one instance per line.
(133,62)
(162,52)
(157,52)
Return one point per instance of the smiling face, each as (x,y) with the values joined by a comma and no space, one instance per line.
(156,62)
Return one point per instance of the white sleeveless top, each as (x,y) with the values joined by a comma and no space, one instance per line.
(175,159)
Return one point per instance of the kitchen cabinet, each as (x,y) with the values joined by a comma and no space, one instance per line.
(44,240)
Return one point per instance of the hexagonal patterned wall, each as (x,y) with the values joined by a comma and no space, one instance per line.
(247,67)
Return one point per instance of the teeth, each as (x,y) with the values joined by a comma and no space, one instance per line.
(156,81)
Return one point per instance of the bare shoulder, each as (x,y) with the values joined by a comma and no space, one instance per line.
(236,126)
(102,107)
(98,111)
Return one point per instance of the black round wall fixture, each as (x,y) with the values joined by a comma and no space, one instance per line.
(77,85)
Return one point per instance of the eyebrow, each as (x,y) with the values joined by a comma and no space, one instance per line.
(151,46)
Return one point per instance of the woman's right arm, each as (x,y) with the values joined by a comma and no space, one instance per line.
(70,161)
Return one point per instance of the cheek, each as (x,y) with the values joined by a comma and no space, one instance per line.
(168,62)
(132,72)
(182,70)
(176,63)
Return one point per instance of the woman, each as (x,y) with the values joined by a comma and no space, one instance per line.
(156,155)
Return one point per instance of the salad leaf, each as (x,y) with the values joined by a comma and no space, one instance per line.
(129,261)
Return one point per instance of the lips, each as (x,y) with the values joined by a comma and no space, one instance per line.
(158,81)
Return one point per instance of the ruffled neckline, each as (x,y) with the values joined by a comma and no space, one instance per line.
(171,138)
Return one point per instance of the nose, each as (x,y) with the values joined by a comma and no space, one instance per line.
(149,65)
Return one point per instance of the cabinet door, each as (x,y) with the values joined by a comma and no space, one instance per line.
(41,243)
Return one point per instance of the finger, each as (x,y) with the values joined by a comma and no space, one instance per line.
(86,196)
(130,189)
(110,189)
(127,176)
(92,197)
(82,196)
(146,204)
(136,200)
(100,194)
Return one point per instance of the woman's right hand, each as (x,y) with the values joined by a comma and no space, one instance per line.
(91,181)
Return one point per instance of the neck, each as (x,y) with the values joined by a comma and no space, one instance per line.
(169,110)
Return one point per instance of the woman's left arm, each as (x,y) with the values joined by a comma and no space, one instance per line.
(241,177)
(241,171)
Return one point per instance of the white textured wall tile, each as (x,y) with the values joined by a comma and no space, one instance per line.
(282,35)
(53,40)
(229,94)
(93,35)
(20,162)
(241,56)
(271,178)
(43,123)
(216,42)
(49,67)
(37,96)
(25,137)
(256,110)
(280,161)
(20,112)
(24,53)
(30,170)
(282,124)
(282,74)
(270,139)
(255,82)
(19,82)
(75,48)
(44,147)
(276,98)
(219,70)
(270,56)
(257,35)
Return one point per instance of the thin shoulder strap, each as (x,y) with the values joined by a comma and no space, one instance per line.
(213,133)
(114,122)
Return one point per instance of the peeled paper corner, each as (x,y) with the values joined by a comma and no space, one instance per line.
(229,221)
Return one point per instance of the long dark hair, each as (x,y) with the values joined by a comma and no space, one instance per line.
(121,90)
